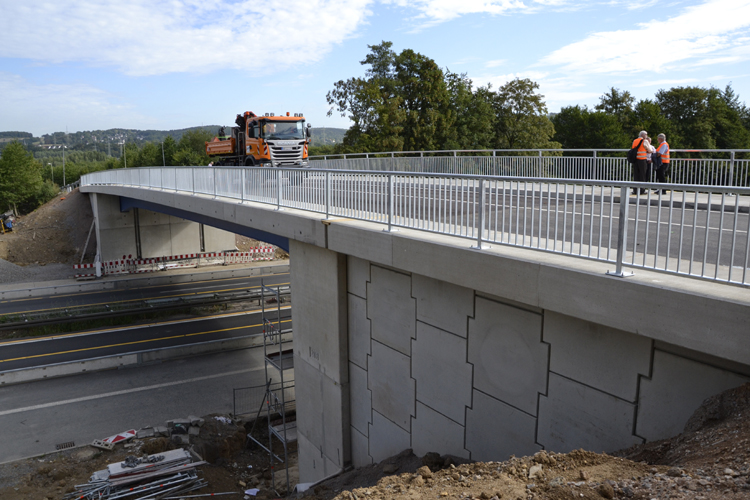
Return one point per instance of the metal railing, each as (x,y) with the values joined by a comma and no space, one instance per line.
(699,231)
(686,166)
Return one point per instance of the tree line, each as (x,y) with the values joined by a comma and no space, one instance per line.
(27,180)
(406,102)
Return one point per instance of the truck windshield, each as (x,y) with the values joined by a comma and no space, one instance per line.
(283,129)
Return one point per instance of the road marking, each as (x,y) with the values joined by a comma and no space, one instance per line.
(134,327)
(134,342)
(124,391)
(132,300)
(110,290)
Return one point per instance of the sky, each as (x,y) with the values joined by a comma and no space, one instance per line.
(171,64)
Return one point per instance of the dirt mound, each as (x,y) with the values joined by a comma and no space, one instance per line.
(54,233)
(709,461)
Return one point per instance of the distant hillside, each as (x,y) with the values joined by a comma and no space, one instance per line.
(101,140)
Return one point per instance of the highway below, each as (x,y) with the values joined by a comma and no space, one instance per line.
(139,294)
(42,351)
(36,416)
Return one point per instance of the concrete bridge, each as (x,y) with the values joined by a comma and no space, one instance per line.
(463,342)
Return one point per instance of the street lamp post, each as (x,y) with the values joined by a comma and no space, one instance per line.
(163,161)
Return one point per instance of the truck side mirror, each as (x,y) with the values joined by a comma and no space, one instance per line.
(308,130)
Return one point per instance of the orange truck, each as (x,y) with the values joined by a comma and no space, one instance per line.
(265,141)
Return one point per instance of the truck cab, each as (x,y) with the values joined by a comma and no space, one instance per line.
(272,141)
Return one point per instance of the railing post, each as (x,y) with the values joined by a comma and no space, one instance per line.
(421,160)
(596,166)
(539,168)
(278,190)
(367,158)
(622,233)
(242,191)
(731,169)
(327,190)
(393,162)
(390,202)
(214,184)
(494,163)
(482,204)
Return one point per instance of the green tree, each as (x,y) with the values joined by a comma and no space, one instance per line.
(170,148)
(578,127)
(687,109)
(475,118)
(618,103)
(192,148)
(648,116)
(521,117)
(20,177)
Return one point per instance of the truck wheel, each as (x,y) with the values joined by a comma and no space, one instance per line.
(250,162)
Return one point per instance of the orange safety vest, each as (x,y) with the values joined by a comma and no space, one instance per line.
(665,156)
(641,153)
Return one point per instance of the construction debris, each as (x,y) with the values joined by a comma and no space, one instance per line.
(153,477)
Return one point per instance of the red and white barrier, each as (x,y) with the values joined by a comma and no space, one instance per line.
(128,265)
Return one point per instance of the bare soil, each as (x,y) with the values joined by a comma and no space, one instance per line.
(56,233)
(709,461)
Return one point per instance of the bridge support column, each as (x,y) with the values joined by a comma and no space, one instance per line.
(320,359)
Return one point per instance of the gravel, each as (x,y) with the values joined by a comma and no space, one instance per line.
(11,273)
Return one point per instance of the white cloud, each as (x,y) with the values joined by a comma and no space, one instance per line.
(495,63)
(439,11)
(27,106)
(142,37)
(706,32)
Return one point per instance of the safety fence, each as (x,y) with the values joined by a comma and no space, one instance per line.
(251,400)
(129,265)
(699,231)
(685,167)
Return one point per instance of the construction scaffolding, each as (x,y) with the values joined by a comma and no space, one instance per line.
(279,400)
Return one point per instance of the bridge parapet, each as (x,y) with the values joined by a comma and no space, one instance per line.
(697,231)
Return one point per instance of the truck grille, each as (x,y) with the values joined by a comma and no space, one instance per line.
(286,154)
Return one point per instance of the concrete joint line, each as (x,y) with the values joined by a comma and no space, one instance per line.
(591,387)
(443,414)
(505,403)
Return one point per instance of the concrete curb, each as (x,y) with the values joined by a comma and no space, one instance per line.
(24,290)
(118,361)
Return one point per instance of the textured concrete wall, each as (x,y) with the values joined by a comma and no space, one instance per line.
(320,360)
(160,234)
(439,367)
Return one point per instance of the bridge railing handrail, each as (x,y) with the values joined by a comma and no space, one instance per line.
(495,152)
(675,232)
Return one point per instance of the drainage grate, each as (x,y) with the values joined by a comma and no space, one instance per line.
(62,446)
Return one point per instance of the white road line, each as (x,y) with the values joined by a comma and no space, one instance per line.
(125,391)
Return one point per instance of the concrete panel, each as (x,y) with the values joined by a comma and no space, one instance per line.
(386,438)
(391,308)
(442,304)
(218,240)
(432,431)
(360,449)
(357,276)
(361,239)
(389,379)
(117,242)
(318,279)
(509,358)
(359,331)
(495,430)
(360,399)
(313,465)
(676,389)
(576,416)
(599,356)
(442,375)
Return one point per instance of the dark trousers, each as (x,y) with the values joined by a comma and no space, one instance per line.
(661,173)
(639,172)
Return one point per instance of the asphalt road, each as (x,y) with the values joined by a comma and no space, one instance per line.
(27,353)
(74,301)
(36,416)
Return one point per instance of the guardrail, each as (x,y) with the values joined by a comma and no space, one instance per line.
(699,231)
(579,164)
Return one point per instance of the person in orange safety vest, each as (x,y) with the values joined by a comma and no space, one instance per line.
(640,166)
(663,150)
